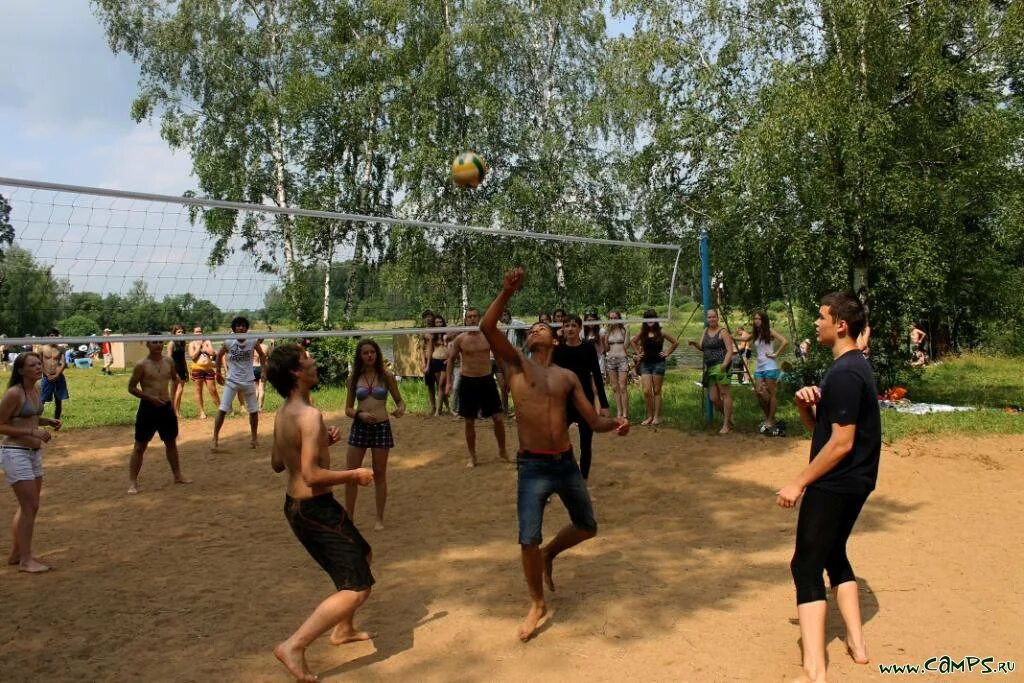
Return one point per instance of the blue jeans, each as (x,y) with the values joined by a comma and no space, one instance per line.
(542,475)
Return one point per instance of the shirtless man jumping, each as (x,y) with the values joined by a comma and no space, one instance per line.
(301,440)
(478,393)
(156,412)
(545,462)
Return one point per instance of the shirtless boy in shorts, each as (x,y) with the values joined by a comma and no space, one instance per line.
(156,412)
(301,440)
(478,392)
(545,463)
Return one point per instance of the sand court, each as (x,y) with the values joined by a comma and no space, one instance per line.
(688,578)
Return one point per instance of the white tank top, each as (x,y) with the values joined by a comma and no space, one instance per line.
(240,361)
(764,363)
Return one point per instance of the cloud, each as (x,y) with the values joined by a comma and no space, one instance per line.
(141,161)
(66,75)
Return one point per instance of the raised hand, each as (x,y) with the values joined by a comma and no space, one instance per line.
(514,279)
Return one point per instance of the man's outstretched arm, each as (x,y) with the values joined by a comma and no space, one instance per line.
(500,345)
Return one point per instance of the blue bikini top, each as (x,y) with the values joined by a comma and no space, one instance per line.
(28,410)
(379,392)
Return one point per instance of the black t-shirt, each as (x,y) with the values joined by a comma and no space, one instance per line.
(583,361)
(849,396)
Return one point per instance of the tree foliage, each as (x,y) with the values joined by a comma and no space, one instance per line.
(822,144)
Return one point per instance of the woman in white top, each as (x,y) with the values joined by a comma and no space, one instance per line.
(766,372)
(617,362)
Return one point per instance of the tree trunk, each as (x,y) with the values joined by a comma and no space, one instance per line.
(355,272)
(329,257)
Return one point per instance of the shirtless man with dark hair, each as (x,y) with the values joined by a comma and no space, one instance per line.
(545,462)
(156,414)
(319,522)
(478,392)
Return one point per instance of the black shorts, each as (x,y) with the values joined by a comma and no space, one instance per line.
(367,435)
(478,397)
(152,419)
(257,373)
(329,536)
(437,365)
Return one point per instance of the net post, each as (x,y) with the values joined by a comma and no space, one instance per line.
(705,286)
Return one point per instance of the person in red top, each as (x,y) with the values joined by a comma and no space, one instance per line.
(107,351)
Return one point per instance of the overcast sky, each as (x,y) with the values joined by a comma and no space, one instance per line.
(64,103)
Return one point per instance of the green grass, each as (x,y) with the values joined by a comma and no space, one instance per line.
(991,383)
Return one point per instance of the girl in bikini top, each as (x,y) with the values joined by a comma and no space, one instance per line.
(379,392)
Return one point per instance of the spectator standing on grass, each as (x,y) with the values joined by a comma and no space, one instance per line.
(649,346)
(716,344)
(107,352)
(767,370)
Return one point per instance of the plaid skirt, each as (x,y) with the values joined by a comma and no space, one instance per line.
(366,435)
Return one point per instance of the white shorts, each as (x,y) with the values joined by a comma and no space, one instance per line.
(248,392)
(21,464)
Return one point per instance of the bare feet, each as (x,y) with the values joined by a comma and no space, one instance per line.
(378,525)
(181,480)
(253,444)
(214,445)
(133,489)
(14,558)
(504,456)
(529,626)
(294,660)
(340,636)
(202,416)
(471,461)
(647,421)
(724,430)
(33,566)
(857,654)
(656,421)
(549,571)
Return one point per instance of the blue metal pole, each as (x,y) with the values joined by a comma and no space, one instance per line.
(705,288)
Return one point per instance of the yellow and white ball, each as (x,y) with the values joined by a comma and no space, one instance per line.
(468,169)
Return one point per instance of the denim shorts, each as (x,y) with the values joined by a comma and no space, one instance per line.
(653,368)
(541,476)
(768,374)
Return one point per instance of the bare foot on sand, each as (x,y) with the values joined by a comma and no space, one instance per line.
(252,444)
(340,636)
(182,480)
(295,661)
(724,430)
(549,571)
(133,489)
(471,461)
(202,416)
(647,422)
(33,566)
(504,456)
(656,421)
(529,626)
(857,654)
(214,446)
(378,525)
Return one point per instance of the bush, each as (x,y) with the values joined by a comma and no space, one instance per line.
(333,357)
(78,326)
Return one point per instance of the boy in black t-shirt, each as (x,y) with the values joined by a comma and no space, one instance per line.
(847,439)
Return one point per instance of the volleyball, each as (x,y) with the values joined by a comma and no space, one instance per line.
(468,169)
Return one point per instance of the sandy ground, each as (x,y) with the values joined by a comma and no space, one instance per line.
(688,579)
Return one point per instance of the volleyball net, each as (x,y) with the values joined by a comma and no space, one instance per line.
(86,259)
